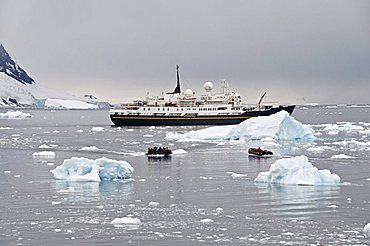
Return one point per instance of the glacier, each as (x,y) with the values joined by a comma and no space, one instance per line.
(297,171)
(279,126)
(84,169)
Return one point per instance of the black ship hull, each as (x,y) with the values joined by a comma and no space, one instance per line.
(146,120)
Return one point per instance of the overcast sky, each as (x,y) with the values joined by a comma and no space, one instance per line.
(297,51)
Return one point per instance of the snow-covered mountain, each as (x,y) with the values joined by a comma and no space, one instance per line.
(17,88)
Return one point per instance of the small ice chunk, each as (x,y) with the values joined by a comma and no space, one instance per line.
(206,221)
(333,206)
(89,148)
(153,204)
(44,154)
(237,175)
(97,129)
(44,146)
(79,131)
(148,136)
(126,220)
(341,156)
(179,152)
(15,115)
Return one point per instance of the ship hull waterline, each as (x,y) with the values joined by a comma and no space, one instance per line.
(147,120)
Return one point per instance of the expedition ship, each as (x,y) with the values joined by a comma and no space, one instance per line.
(176,108)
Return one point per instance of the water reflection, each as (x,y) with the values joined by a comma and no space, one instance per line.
(300,202)
(88,190)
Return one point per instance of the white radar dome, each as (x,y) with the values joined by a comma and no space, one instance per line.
(188,93)
(208,86)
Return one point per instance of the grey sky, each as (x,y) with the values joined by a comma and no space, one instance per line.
(316,50)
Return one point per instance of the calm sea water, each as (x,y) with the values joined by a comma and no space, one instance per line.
(36,210)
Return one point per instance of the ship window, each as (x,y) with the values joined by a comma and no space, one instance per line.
(148,109)
(182,109)
(159,109)
(177,109)
(188,109)
(144,109)
(168,109)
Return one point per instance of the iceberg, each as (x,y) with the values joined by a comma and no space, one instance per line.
(279,126)
(366,229)
(84,169)
(15,115)
(297,171)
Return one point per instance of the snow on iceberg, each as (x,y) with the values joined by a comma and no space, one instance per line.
(297,171)
(279,126)
(68,104)
(89,148)
(83,169)
(15,115)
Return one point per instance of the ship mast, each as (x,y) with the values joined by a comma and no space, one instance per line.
(177,89)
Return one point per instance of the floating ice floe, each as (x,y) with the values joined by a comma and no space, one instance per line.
(89,148)
(366,229)
(342,156)
(44,154)
(83,169)
(353,144)
(15,115)
(279,126)
(297,171)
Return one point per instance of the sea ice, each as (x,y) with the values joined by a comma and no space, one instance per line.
(83,169)
(341,156)
(279,126)
(297,171)
(15,115)
(44,154)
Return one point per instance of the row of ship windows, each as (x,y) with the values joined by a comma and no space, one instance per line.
(201,109)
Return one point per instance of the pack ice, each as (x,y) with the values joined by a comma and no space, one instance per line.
(297,171)
(84,169)
(280,126)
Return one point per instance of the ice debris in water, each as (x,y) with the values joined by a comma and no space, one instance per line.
(44,154)
(206,221)
(366,229)
(279,126)
(83,169)
(297,171)
(15,115)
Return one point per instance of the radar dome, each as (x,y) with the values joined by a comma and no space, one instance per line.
(208,86)
(188,93)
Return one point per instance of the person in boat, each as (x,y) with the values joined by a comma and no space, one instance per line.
(259,150)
